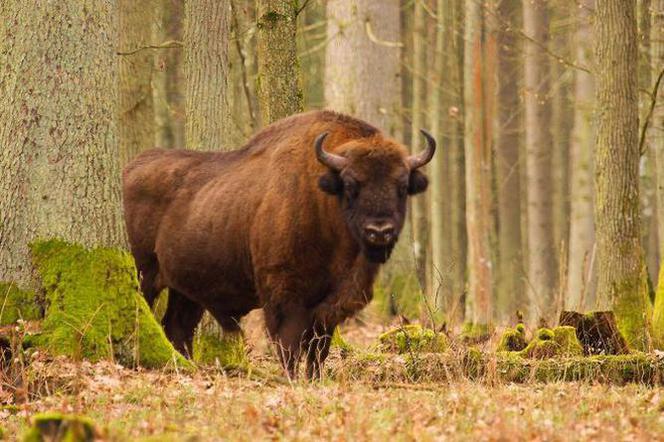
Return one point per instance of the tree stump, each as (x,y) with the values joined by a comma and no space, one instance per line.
(597,332)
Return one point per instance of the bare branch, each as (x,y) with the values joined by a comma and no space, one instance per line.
(170,44)
(375,39)
(653,102)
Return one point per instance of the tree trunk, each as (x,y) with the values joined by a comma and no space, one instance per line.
(657,146)
(363,79)
(510,271)
(167,75)
(649,235)
(279,90)
(362,69)
(542,258)
(418,205)
(622,278)
(478,172)
(456,181)
(206,29)
(136,123)
(58,137)
(581,275)
(439,206)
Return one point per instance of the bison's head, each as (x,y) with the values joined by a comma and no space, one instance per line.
(372,178)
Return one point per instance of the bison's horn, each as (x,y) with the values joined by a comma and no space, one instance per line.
(422,158)
(334,162)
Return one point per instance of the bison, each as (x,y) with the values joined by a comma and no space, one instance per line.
(297,222)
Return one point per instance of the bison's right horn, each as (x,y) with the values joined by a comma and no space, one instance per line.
(422,158)
(333,161)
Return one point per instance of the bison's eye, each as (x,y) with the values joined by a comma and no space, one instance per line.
(402,190)
(352,188)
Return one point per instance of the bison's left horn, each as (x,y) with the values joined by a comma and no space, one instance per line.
(422,158)
(333,161)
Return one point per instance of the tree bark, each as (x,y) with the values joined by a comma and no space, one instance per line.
(136,119)
(58,137)
(279,90)
(206,30)
(581,275)
(622,278)
(167,75)
(362,69)
(542,258)
(478,171)
(418,205)
(510,271)
(439,206)
(657,145)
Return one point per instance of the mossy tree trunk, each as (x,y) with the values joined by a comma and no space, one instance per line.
(542,258)
(622,278)
(279,90)
(58,137)
(581,275)
(136,120)
(510,270)
(478,170)
(206,32)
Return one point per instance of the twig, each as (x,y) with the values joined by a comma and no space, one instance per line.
(301,8)
(653,102)
(373,38)
(508,28)
(170,44)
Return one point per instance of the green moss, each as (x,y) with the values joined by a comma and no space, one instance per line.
(548,343)
(228,350)
(94,308)
(17,304)
(513,339)
(339,342)
(61,427)
(471,332)
(658,313)
(474,363)
(413,338)
(633,311)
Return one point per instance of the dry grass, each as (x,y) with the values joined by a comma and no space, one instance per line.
(211,405)
(150,405)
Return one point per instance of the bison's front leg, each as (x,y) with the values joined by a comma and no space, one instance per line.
(289,327)
(318,349)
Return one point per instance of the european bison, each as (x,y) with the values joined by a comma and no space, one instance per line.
(296,222)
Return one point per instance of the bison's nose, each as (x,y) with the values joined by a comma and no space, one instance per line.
(379,234)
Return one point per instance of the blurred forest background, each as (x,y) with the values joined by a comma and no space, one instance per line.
(547,192)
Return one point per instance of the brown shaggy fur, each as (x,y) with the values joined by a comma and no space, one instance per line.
(234,231)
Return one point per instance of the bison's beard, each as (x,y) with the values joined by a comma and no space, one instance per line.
(378,254)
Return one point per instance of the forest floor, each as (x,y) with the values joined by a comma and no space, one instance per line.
(209,404)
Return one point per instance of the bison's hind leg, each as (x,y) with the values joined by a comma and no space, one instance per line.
(180,321)
(148,272)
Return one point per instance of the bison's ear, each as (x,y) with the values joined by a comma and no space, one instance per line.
(331,183)
(417,183)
